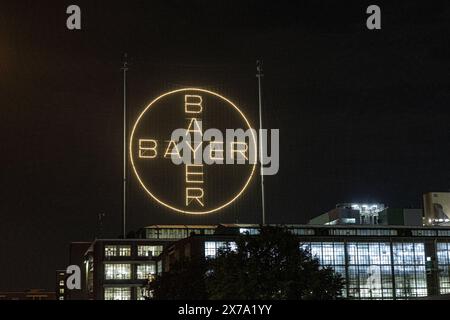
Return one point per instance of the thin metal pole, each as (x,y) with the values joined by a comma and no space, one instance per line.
(259,75)
(124,202)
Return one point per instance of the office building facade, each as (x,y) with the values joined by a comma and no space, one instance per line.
(119,269)
(375,262)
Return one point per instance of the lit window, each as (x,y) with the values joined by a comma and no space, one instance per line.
(172,233)
(424,233)
(301,231)
(117,293)
(145,271)
(443,260)
(343,232)
(211,247)
(159,266)
(152,233)
(110,251)
(116,271)
(124,251)
(61,283)
(143,293)
(145,251)
(251,231)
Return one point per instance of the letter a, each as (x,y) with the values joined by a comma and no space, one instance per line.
(74,20)
(74,280)
(374,20)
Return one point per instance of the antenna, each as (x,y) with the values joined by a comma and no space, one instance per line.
(100,217)
(259,75)
(124,200)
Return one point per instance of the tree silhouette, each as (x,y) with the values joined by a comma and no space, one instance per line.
(270,266)
(184,281)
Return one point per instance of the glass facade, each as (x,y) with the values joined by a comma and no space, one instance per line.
(369,270)
(330,254)
(373,270)
(409,269)
(117,271)
(117,293)
(443,264)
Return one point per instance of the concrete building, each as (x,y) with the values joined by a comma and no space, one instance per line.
(382,253)
(436,207)
(350,213)
(401,217)
(118,269)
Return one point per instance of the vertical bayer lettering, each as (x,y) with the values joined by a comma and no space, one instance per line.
(194,195)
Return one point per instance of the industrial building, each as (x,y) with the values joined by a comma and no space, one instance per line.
(381,252)
(437,208)
(118,269)
(377,262)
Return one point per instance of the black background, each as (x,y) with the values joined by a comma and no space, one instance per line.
(363,115)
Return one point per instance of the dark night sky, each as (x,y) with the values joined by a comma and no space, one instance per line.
(363,115)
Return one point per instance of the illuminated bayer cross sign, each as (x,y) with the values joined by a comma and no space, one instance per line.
(192,150)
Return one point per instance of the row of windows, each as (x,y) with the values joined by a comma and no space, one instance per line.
(388,232)
(175,233)
(115,250)
(125,250)
(124,293)
(443,233)
(363,232)
(424,233)
(117,293)
(296,231)
(180,233)
(122,271)
(302,232)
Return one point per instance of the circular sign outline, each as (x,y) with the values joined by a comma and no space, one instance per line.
(166,204)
